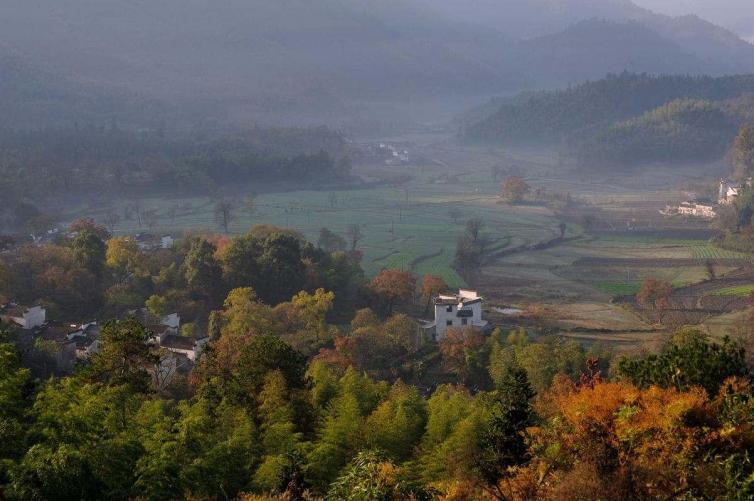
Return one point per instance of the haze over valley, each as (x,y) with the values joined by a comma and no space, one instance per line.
(361,250)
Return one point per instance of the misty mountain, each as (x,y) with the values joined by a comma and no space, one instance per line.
(735,15)
(33,97)
(590,49)
(535,18)
(319,61)
(624,119)
(684,130)
(259,57)
(546,117)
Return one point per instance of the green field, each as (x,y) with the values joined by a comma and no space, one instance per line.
(619,288)
(403,228)
(740,290)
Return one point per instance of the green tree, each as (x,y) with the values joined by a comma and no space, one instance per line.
(267,353)
(62,473)
(689,360)
(89,251)
(504,441)
(202,271)
(742,153)
(157,306)
(272,265)
(371,476)
(397,424)
(331,241)
(280,438)
(124,357)
(15,392)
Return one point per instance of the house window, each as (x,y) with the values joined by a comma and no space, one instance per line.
(448,322)
(465,321)
(449,309)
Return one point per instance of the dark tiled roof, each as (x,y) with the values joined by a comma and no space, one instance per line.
(178,342)
(54,332)
(472,301)
(446,302)
(82,341)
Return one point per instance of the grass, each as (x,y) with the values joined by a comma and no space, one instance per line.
(710,251)
(402,228)
(619,288)
(739,290)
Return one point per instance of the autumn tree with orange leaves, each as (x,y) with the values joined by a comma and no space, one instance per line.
(432,285)
(655,293)
(394,285)
(514,189)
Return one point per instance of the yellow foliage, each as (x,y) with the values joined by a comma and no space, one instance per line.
(122,253)
(627,438)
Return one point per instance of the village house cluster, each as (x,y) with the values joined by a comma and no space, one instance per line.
(707,208)
(76,343)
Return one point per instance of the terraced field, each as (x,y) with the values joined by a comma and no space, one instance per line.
(411,228)
(415,226)
(739,290)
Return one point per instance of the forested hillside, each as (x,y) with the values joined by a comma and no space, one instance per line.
(311,387)
(32,97)
(682,130)
(61,161)
(627,118)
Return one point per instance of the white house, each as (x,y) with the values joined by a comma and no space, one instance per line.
(167,241)
(456,311)
(86,346)
(26,318)
(182,345)
(728,192)
(703,208)
(173,321)
(86,340)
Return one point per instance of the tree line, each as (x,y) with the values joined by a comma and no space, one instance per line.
(57,162)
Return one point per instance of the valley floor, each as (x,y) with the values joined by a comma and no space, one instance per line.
(576,286)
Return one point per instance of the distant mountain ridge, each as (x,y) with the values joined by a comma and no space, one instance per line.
(626,118)
(326,61)
(31,97)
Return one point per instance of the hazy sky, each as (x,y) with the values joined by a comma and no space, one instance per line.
(737,15)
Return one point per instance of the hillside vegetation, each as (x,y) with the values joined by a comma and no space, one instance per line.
(61,161)
(627,118)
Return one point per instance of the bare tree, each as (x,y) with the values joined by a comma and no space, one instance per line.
(455,214)
(474,228)
(225,213)
(354,235)
(471,249)
(150,218)
(137,210)
(172,213)
(111,220)
(250,204)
